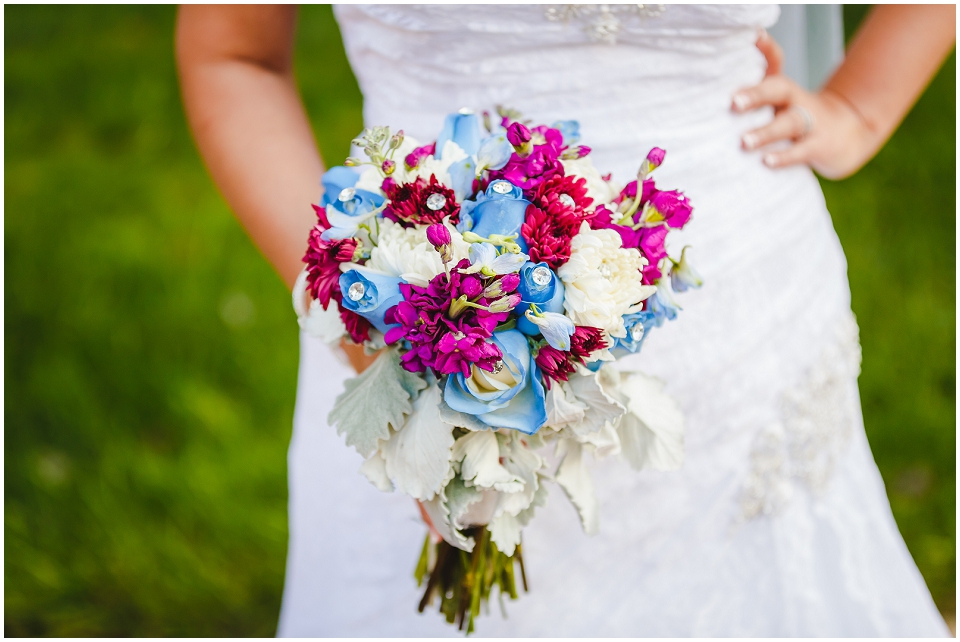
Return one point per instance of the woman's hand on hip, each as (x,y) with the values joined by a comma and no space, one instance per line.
(826,131)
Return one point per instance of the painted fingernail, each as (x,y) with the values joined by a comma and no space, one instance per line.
(741,101)
(750,141)
(769,160)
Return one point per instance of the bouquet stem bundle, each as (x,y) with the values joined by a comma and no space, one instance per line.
(465,580)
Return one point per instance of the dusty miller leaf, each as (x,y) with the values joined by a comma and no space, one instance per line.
(575,480)
(480,453)
(375,400)
(601,407)
(652,432)
(418,455)
(375,469)
(439,511)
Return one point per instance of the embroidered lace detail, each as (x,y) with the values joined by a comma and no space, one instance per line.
(817,419)
(603,20)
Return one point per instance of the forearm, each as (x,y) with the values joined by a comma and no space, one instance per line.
(889,63)
(254,136)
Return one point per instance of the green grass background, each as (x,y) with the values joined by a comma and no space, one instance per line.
(151,353)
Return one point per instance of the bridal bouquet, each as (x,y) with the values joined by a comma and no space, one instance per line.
(501,276)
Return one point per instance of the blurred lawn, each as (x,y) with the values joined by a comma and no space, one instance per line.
(150,366)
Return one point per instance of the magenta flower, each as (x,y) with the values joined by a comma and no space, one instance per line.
(552,137)
(651,244)
(630,191)
(414,158)
(603,219)
(585,341)
(555,365)
(518,135)
(655,157)
(438,235)
(447,325)
(673,206)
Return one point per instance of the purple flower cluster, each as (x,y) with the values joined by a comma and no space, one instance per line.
(448,323)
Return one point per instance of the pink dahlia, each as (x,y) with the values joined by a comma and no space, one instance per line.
(586,340)
(323,259)
(557,365)
(558,207)
(420,202)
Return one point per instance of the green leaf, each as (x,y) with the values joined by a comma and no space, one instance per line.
(374,401)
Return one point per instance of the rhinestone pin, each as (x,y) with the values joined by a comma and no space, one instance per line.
(436,202)
(502,187)
(541,275)
(567,200)
(465,111)
(497,367)
(346,194)
(636,332)
(356,291)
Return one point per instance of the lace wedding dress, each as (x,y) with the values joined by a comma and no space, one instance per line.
(778,523)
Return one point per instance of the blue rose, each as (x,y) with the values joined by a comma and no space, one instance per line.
(462,173)
(464,130)
(512,398)
(334,181)
(501,209)
(372,294)
(638,325)
(547,294)
(349,210)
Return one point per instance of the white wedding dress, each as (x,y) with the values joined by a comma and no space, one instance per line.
(778,523)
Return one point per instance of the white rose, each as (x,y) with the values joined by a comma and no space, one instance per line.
(602,280)
(598,189)
(406,253)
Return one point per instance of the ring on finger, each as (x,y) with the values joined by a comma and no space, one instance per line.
(807,119)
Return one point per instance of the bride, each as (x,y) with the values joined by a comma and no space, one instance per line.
(778,523)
